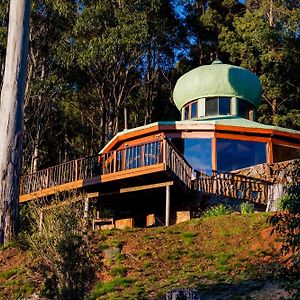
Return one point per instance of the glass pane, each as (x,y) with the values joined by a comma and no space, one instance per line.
(244,109)
(282,153)
(232,154)
(186,112)
(211,107)
(196,151)
(194,110)
(224,106)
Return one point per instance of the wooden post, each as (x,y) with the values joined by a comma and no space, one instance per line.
(167,221)
(85,213)
(164,149)
(41,220)
(76,170)
(115,161)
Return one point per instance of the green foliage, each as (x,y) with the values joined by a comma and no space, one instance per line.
(188,236)
(287,226)
(110,286)
(8,274)
(291,200)
(61,251)
(247,208)
(265,40)
(119,271)
(219,210)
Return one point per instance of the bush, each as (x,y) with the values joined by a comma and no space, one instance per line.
(290,201)
(287,225)
(61,250)
(247,208)
(119,271)
(219,210)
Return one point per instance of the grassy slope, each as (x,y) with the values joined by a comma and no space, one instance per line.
(222,256)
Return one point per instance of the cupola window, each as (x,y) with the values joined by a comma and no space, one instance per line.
(194,110)
(217,106)
(190,111)
(245,109)
(186,112)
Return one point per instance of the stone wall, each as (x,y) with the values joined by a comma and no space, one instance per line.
(282,172)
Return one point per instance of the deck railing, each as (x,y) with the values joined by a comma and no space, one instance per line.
(233,186)
(178,164)
(141,155)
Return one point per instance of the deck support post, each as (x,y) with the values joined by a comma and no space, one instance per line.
(167,221)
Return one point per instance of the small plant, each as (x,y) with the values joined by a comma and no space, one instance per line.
(110,286)
(187,236)
(119,271)
(219,210)
(247,208)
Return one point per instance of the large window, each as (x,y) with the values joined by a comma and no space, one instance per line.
(196,151)
(234,154)
(217,106)
(282,153)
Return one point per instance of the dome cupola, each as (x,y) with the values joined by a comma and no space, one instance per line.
(217,90)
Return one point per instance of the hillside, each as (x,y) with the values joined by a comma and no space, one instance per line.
(226,257)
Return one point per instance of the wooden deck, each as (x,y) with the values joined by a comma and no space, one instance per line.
(156,157)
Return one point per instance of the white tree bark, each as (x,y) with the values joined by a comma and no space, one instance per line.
(11,116)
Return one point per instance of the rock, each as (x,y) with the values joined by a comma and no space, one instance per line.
(111,252)
(183,294)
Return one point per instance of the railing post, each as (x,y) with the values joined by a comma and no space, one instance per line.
(47,178)
(142,155)
(124,159)
(115,161)
(164,147)
(76,170)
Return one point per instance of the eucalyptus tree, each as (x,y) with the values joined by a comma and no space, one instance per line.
(45,86)
(266,39)
(11,112)
(205,20)
(4,7)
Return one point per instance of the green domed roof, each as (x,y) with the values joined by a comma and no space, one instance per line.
(217,80)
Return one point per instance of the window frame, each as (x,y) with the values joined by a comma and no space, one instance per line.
(189,107)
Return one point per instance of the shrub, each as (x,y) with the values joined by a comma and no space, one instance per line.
(61,250)
(247,208)
(291,200)
(119,271)
(219,210)
(287,225)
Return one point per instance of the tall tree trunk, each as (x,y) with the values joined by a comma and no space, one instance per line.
(11,112)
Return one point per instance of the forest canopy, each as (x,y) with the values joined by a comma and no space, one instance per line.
(88,60)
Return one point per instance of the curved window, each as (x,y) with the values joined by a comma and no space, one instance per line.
(194,110)
(190,110)
(245,109)
(217,106)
